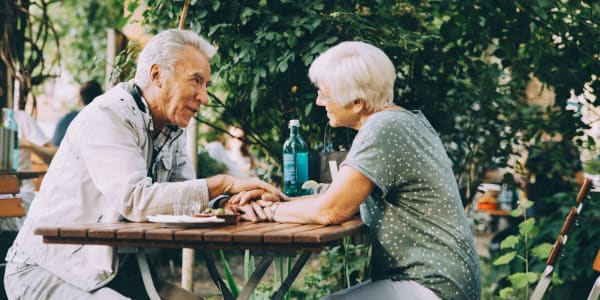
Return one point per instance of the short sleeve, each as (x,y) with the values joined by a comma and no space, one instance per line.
(378,152)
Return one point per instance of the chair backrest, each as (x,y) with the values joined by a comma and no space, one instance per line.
(561,240)
(10,206)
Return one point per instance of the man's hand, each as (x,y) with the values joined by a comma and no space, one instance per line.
(221,184)
(258,195)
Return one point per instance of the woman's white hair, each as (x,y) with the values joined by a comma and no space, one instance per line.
(164,49)
(355,70)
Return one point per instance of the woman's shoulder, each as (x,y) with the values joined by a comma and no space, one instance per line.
(393,118)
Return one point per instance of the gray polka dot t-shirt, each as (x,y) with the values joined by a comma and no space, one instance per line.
(414,215)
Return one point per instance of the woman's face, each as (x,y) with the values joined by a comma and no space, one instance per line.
(338,115)
(186,88)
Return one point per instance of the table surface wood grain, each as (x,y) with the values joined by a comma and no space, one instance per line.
(245,235)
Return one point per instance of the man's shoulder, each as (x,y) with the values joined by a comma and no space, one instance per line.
(117,100)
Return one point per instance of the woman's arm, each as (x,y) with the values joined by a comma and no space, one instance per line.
(341,201)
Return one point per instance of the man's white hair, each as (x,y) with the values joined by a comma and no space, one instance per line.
(355,70)
(164,50)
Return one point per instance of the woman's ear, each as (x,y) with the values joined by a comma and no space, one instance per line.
(359,105)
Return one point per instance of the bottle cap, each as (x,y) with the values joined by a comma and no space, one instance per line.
(294,122)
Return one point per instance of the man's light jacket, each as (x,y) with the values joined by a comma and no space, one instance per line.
(100,174)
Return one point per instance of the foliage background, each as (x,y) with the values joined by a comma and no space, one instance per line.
(83,29)
(465,64)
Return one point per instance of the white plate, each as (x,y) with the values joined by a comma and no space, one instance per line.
(184,221)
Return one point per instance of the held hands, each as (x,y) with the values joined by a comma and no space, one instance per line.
(255,205)
(251,196)
(256,212)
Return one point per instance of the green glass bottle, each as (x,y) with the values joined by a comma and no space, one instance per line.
(12,128)
(295,161)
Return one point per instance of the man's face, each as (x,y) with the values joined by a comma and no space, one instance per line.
(185,89)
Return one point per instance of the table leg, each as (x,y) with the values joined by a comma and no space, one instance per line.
(216,277)
(187,269)
(146,276)
(287,283)
(257,275)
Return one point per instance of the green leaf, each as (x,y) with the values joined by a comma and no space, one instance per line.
(331,40)
(526,226)
(542,251)
(509,242)
(505,259)
(517,212)
(521,280)
(216,5)
(229,275)
(308,108)
(506,292)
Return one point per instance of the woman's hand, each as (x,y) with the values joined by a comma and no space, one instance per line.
(257,211)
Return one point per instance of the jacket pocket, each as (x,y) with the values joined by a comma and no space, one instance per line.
(166,167)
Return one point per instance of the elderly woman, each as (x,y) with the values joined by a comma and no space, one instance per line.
(398,175)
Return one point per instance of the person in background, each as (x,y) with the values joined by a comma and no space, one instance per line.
(88,91)
(122,158)
(32,140)
(397,174)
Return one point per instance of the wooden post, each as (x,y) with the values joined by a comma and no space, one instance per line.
(115,43)
(188,255)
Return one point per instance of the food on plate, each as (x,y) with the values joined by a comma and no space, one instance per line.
(229,216)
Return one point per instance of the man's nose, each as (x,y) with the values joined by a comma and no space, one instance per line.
(202,97)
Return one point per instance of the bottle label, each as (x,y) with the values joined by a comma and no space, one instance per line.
(289,167)
(289,174)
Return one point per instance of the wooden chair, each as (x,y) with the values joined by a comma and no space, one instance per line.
(11,206)
(561,240)
(595,292)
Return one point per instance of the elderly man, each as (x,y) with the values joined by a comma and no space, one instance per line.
(122,158)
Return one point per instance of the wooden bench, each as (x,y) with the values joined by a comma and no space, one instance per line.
(11,206)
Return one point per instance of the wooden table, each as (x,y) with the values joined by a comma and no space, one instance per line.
(24,174)
(270,238)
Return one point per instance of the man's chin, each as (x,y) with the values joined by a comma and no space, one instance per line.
(182,123)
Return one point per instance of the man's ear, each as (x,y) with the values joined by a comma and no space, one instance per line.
(155,71)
